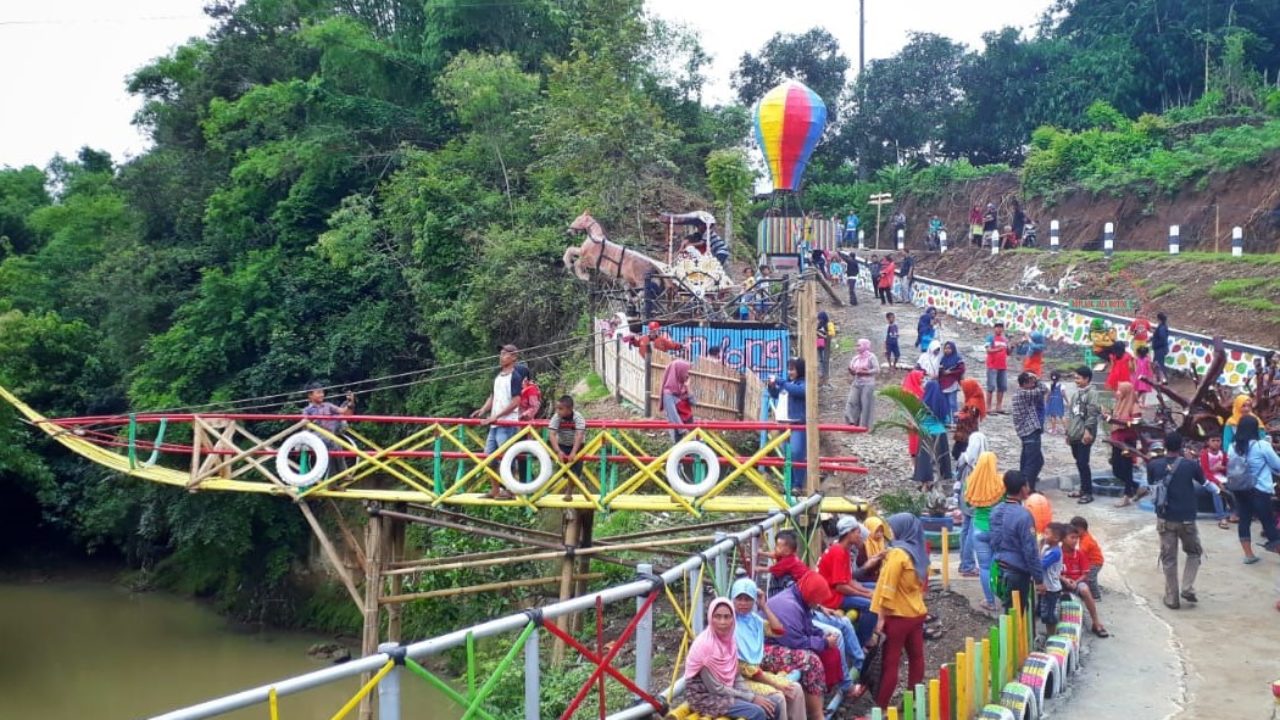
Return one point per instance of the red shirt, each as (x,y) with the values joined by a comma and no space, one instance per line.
(836,567)
(998,353)
(789,565)
(1214,465)
(1075,565)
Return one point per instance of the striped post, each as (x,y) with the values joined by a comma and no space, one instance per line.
(1175,244)
(1108,239)
(1237,242)
(1053,236)
(942,241)
(862,239)
(902,240)
(995,243)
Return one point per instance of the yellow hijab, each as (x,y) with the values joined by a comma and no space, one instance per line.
(870,543)
(984,487)
(1237,411)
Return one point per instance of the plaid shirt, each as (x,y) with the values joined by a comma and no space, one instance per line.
(1028,409)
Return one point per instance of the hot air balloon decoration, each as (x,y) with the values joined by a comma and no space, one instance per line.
(789,120)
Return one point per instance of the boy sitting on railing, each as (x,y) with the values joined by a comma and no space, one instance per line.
(569,428)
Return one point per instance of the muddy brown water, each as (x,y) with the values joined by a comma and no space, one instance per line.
(75,650)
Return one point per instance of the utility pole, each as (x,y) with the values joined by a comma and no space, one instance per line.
(862,37)
(808,339)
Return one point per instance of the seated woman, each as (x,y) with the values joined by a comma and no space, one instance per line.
(713,686)
(749,632)
(801,646)
(872,552)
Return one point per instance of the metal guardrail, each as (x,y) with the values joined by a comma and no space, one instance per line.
(388,663)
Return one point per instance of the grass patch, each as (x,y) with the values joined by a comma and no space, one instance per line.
(1164,289)
(596,389)
(1250,294)
(1125,259)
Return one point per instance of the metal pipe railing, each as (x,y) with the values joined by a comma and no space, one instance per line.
(498,626)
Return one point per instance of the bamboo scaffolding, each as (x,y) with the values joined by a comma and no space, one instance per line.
(549,555)
(487,587)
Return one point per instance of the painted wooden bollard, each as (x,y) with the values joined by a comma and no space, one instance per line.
(922,702)
(902,239)
(995,242)
(908,705)
(1006,649)
(942,241)
(1237,242)
(877,714)
(935,699)
(994,681)
(958,687)
(1175,242)
(1108,239)
(1021,700)
(946,558)
(1054,237)
(862,239)
(893,713)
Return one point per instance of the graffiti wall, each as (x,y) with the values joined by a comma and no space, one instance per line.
(1062,323)
(761,351)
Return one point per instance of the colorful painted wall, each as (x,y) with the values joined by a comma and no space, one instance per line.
(1061,323)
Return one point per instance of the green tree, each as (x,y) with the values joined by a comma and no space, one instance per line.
(730,178)
(813,57)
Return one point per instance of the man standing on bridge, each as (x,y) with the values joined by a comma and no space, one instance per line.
(503,404)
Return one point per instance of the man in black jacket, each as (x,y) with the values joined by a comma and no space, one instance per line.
(1176,518)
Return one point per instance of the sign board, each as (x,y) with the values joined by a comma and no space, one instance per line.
(762,351)
(783,264)
(782,235)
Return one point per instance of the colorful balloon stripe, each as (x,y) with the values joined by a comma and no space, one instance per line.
(789,121)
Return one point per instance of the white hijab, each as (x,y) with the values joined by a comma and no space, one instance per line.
(931,360)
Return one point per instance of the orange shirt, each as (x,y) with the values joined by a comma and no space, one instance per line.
(1090,548)
(899,590)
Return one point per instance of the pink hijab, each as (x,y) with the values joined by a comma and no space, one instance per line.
(675,378)
(865,360)
(715,652)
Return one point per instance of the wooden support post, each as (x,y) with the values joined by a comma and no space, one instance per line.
(571,529)
(395,531)
(331,553)
(374,541)
(808,339)
(586,525)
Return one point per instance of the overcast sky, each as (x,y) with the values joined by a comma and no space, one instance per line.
(65,62)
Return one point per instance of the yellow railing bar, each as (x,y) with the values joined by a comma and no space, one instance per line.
(368,687)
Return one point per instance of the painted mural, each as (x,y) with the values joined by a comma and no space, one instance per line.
(761,351)
(1063,324)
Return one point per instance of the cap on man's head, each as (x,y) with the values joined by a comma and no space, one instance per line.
(509,348)
(846,525)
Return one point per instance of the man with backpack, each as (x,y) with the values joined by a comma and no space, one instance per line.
(1173,483)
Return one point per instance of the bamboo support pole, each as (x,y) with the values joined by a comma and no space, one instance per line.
(374,542)
(396,531)
(485,522)
(349,537)
(486,587)
(331,553)
(571,530)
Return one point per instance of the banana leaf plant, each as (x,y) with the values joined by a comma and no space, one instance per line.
(911,415)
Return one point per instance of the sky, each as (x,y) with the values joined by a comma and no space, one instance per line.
(66,62)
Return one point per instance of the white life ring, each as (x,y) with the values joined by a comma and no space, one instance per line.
(312,443)
(677,456)
(534,448)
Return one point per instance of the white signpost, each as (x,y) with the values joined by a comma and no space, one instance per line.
(879,199)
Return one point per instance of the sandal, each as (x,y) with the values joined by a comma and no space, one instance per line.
(933,633)
(1084,500)
(1224,524)
(1100,632)
(1125,502)
(1074,494)
(1252,559)
(930,618)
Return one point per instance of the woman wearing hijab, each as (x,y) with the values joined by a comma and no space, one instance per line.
(824,347)
(1124,416)
(875,546)
(975,399)
(913,383)
(801,646)
(860,408)
(1250,443)
(974,444)
(931,361)
(1241,407)
(1121,367)
(938,450)
(950,373)
(794,387)
(885,289)
(983,490)
(752,617)
(713,686)
(676,395)
(899,602)
(925,329)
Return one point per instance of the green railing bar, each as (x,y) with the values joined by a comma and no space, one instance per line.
(605,485)
(471,665)
(462,438)
(498,672)
(457,697)
(786,473)
(437,466)
(133,437)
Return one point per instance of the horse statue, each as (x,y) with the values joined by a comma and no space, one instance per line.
(614,261)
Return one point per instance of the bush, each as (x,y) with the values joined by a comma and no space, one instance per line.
(899,501)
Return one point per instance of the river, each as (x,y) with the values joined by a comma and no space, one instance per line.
(76,650)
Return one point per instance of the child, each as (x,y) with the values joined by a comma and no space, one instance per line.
(1051,562)
(1075,570)
(569,428)
(1033,358)
(1055,408)
(1143,377)
(787,568)
(1213,461)
(1089,546)
(892,353)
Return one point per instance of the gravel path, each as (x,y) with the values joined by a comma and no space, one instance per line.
(884,453)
